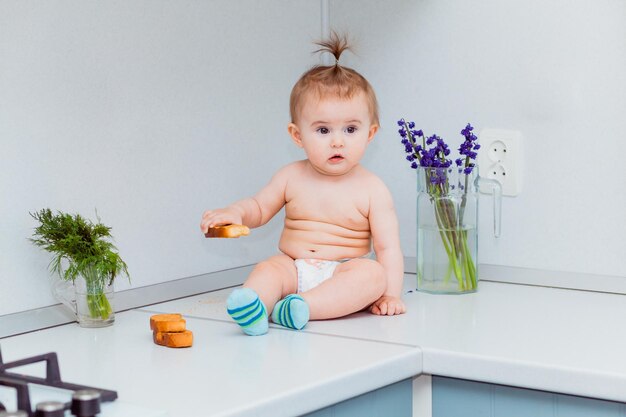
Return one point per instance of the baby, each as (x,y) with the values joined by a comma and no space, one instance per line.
(335,210)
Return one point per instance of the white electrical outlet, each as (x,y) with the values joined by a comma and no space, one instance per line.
(501,158)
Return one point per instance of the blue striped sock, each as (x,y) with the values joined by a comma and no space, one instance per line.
(292,311)
(245,307)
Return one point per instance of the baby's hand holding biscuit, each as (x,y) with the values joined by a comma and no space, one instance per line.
(228,231)
(219,217)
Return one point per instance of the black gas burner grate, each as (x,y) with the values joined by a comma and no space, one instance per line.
(52,379)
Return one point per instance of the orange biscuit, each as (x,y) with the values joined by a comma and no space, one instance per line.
(170,326)
(228,231)
(174,340)
(164,317)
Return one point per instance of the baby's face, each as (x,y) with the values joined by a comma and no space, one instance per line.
(334,133)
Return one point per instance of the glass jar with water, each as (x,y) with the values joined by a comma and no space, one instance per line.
(447,228)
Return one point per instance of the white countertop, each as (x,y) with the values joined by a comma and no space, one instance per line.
(565,341)
(225,373)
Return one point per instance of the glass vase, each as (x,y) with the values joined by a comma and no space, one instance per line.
(90,297)
(447,228)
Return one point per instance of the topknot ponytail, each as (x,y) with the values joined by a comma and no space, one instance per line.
(334,45)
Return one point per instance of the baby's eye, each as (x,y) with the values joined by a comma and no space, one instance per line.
(323,130)
(351,129)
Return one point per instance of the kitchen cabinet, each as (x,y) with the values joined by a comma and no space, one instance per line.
(456,397)
(393,400)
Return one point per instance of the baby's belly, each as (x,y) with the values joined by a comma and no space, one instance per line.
(303,239)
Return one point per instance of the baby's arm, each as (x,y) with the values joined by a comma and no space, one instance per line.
(386,238)
(254,211)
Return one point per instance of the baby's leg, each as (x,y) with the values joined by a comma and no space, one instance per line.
(273,279)
(355,285)
(267,283)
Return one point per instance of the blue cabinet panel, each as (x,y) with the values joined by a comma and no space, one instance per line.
(395,400)
(456,397)
(516,402)
(461,398)
(569,406)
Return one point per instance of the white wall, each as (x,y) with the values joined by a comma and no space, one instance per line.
(555,70)
(151,112)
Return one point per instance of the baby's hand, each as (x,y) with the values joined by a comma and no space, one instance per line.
(219,217)
(388,305)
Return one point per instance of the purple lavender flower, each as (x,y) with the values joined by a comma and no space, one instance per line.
(468,146)
(432,151)
(468,129)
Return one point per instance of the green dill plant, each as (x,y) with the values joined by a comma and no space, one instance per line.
(87,250)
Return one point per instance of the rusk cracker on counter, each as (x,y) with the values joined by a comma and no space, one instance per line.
(228,231)
(170,326)
(173,340)
(164,317)
(170,330)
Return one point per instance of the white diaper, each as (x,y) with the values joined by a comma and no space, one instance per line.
(312,272)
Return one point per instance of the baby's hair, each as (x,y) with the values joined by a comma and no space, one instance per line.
(332,80)
(335,45)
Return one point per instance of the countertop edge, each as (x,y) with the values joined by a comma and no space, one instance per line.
(397,368)
(521,374)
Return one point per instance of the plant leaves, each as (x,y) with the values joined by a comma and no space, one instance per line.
(85,246)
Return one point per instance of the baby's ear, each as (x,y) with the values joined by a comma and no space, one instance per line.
(294,132)
(373,130)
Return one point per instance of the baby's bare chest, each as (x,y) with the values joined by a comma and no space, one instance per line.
(345,205)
